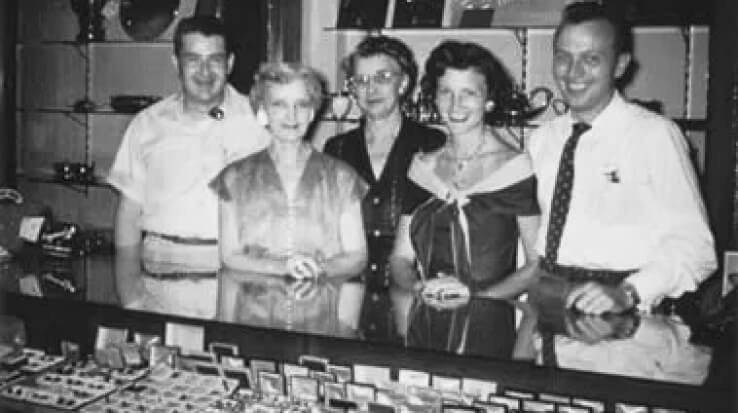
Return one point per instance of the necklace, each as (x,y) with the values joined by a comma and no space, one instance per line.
(461,162)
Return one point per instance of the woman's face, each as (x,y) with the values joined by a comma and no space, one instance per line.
(378,82)
(460,97)
(288,109)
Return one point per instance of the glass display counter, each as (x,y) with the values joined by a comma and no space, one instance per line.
(534,350)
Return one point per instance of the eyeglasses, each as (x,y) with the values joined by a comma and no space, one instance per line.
(383,78)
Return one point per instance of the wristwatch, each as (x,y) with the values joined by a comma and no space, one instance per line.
(631,293)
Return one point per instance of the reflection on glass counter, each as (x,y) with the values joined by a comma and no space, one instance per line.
(475,327)
(539,330)
(319,307)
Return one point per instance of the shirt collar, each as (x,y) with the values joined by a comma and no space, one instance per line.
(609,115)
(227,105)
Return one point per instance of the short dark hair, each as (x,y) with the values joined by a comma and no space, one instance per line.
(204,24)
(388,46)
(586,11)
(452,54)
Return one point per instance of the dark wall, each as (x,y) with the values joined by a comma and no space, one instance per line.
(246,24)
(720,162)
(8,9)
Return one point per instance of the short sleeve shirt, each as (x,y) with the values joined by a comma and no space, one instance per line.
(166,160)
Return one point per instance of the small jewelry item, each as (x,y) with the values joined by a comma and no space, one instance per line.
(463,161)
(611,174)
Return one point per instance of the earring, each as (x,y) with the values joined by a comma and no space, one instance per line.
(261,117)
(489,106)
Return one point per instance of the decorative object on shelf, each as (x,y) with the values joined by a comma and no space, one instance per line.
(362,14)
(146,20)
(427,110)
(131,103)
(75,172)
(473,13)
(12,337)
(519,107)
(662,12)
(84,105)
(418,13)
(422,109)
(19,218)
(339,105)
(91,20)
(477,13)
(517,13)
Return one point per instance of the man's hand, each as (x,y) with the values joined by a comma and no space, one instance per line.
(589,329)
(595,298)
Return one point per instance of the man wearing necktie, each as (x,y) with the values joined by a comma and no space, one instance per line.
(622,222)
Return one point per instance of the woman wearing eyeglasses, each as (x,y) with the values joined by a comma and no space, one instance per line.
(475,197)
(381,74)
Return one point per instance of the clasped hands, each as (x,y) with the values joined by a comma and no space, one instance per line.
(305,267)
(592,329)
(305,272)
(589,298)
(596,298)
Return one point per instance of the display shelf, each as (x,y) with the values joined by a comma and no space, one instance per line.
(686,124)
(70,111)
(95,43)
(44,177)
(491,29)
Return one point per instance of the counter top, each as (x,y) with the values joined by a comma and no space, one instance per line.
(279,317)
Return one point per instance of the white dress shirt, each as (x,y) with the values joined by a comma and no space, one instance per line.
(166,160)
(635,201)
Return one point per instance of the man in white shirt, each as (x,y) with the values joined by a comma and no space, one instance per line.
(172,150)
(636,229)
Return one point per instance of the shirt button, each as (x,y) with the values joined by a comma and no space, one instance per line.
(376,200)
(375,233)
(373,267)
(375,297)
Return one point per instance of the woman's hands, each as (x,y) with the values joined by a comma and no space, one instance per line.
(304,267)
(445,292)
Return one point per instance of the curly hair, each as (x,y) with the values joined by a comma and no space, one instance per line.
(282,73)
(452,54)
(390,47)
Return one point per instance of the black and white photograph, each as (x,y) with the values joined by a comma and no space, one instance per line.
(382,205)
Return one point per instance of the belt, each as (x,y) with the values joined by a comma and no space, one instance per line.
(581,274)
(174,276)
(181,240)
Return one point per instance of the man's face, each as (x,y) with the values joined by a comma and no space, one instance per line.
(586,65)
(203,65)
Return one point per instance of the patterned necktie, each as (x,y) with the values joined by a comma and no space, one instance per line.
(562,196)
